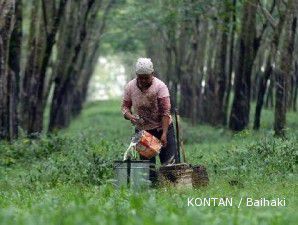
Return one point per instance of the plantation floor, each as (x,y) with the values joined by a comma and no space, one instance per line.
(66,178)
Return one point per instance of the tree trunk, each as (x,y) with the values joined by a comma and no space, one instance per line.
(209,93)
(291,80)
(231,65)
(239,116)
(15,64)
(44,26)
(296,88)
(183,50)
(8,126)
(267,73)
(172,83)
(186,97)
(270,94)
(67,65)
(282,75)
(221,70)
(262,90)
(202,53)
(81,35)
(80,92)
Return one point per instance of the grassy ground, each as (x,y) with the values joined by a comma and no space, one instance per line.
(66,178)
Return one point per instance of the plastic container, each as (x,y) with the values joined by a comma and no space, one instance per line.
(147,145)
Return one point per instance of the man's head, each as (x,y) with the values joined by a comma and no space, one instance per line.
(144,72)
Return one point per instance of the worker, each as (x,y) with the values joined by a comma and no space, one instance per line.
(146,103)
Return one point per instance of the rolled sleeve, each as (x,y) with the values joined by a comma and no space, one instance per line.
(164,106)
(126,106)
(126,101)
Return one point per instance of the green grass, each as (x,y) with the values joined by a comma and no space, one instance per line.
(66,178)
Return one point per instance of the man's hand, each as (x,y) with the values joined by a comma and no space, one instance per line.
(163,139)
(133,119)
(165,127)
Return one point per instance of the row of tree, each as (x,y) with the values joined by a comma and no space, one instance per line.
(216,57)
(46,46)
(219,56)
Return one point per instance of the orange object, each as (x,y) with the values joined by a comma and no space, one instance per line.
(148,145)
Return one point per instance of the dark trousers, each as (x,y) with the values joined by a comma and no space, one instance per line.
(168,154)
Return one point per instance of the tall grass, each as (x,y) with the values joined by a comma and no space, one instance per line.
(66,178)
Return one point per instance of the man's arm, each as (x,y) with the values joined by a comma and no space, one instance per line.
(165,127)
(165,108)
(126,105)
(126,111)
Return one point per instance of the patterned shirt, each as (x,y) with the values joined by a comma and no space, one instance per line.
(150,105)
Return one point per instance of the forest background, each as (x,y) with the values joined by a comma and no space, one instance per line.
(232,70)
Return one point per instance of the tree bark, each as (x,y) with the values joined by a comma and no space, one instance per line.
(210,97)
(296,88)
(231,65)
(209,91)
(262,90)
(15,64)
(270,93)
(221,68)
(239,116)
(44,27)
(7,82)
(282,74)
(70,75)
(267,73)
(291,80)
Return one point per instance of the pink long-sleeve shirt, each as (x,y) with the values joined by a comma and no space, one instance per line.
(151,105)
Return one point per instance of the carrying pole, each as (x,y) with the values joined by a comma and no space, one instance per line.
(179,145)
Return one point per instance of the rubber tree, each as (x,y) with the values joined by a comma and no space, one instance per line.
(45,19)
(239,116)
(78,49)
(10,26)
(285,69)
(262,87)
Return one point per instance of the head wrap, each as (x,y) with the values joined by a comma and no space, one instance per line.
(144,66)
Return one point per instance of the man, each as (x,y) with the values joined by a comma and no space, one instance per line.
(150,100)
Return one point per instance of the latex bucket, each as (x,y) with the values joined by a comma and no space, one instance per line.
(132,173)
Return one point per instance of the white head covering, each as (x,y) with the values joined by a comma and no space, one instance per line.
(144,66)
